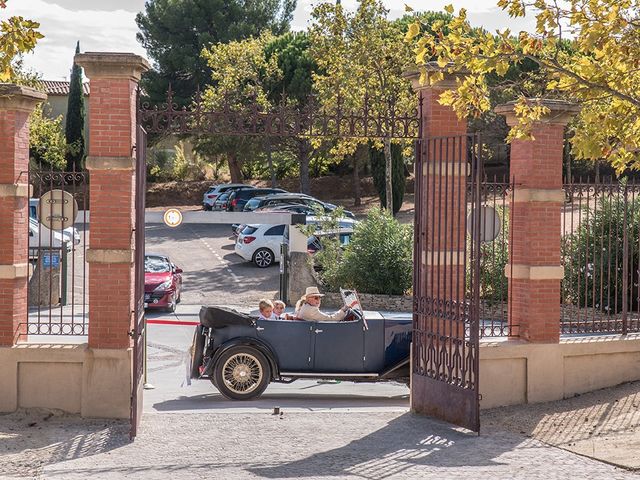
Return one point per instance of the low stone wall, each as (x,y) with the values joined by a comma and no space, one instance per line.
(72,378)
(369,301)
(514,372)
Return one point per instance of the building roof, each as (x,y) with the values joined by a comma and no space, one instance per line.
(57,87)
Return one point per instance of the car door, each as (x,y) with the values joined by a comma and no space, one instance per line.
(273,239)
(338,347)
(290,342)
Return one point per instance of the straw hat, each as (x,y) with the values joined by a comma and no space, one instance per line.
(313,291)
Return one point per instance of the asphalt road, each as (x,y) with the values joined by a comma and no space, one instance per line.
(213,273)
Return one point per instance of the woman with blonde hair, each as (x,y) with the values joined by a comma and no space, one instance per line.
(308,308)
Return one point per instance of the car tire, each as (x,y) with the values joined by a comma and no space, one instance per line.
(263,258)
(197,352)
(207,208)
(242,373)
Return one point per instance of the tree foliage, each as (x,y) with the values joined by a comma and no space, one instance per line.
(587,51)
(74,127)
(174,33)
(17,36)
(47,145)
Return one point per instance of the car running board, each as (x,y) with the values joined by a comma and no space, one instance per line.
(326,374)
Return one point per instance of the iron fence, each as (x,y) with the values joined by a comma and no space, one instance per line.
(496,195)
(601,257)
(57,236)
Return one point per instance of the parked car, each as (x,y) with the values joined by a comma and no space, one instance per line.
(260,244)
(274,200)
(240,197)
(241,354)
(314,245)
(236,228)
(162,282)
(222,202)
(212,193)
(69,234)
(40,237)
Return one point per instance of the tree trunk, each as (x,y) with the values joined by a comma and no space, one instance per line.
(303,158)
(270,161)
(388,174)
(234,168)
(359,158)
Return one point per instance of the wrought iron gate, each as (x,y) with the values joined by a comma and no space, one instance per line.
(139,330)
(445,357)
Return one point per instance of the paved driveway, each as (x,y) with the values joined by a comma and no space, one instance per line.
(213,273)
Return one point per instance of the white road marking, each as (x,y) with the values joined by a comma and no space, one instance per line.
(224,262)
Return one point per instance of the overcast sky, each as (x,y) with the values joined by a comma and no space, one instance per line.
(110,25)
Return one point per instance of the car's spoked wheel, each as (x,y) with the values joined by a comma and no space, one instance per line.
(263,257)
(242,373)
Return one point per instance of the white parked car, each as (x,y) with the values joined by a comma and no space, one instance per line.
(260,244)
(69,234)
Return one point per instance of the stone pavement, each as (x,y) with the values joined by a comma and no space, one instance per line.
(375,446)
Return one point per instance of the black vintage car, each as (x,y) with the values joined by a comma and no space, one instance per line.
(241,355)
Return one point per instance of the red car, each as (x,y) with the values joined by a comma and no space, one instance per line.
(162,282)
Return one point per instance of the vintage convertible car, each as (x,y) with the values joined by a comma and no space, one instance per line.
(241,355)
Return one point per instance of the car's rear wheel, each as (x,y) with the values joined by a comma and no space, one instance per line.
(242,373)
(263,257)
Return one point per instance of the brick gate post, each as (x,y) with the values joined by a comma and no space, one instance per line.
(16,103)
(535,225)
(111,162)
(107,373)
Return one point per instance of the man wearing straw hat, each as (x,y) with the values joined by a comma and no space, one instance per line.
(308,308)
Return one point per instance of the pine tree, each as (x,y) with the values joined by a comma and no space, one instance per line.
(74,128)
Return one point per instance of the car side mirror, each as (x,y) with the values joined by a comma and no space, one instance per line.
(178,270)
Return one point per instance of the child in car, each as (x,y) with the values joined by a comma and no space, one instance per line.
(278,311)
(266,310)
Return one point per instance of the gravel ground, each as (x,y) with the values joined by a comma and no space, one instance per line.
(375,446)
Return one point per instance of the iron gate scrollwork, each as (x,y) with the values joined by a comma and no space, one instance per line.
(445,356)
(139,327)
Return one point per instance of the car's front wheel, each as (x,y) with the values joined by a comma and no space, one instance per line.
(242,373)
(263,257)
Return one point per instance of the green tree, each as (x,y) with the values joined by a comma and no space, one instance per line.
(240,74)
(47,145)
(599,70)
(17,36)
(359,56)
(74,127)
(174,33)
(293,85)
(378,170)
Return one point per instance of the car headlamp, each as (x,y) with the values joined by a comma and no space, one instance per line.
(163,286)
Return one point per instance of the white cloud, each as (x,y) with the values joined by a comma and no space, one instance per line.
(115,30)
(107,31)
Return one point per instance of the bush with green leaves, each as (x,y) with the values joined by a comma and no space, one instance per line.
(398,181)
(593,254)
(379,257)
(494,257)
(47,145)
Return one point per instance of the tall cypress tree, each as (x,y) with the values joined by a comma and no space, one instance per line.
(378,171)
(74,128)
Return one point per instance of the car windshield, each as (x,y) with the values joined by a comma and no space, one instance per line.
(156,265)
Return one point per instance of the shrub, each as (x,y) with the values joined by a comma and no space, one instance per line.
(494,257)
(398,181)
(379,257)
(593,255)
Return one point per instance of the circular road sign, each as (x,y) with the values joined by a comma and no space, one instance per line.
(57,210)
(489,224)
(172,217)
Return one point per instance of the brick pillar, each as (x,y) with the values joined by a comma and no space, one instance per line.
(16,103)
(111,162)
(535,230)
